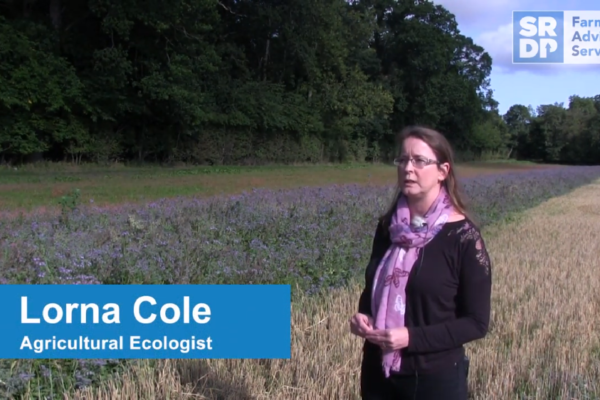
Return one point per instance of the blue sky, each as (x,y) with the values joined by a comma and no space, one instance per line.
(489,23)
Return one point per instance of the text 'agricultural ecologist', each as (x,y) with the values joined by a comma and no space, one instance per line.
(170,313)
(145,321)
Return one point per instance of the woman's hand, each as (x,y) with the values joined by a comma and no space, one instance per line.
(389,339)
(361,324)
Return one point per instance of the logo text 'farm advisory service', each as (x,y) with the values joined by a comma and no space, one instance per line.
(556,37)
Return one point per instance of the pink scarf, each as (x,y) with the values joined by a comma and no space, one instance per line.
(389,300)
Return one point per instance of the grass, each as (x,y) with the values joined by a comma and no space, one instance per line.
(33,188)
(543,341)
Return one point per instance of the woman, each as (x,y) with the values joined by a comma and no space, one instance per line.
(428,282)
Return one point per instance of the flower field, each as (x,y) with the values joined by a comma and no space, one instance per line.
(313,238)
(310,237)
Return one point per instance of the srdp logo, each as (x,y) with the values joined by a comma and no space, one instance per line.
(538,37)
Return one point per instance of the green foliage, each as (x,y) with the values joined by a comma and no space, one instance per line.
(41,96)
(241,82)
(231,82)
(69,204)
(557,134)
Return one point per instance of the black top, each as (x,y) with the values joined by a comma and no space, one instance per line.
(448,297)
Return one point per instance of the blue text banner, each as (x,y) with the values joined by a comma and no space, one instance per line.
(145,321)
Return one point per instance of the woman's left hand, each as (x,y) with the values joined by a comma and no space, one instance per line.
(389,339)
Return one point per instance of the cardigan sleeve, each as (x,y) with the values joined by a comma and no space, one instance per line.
(474,301)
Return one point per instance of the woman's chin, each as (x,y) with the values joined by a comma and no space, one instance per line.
(410,190)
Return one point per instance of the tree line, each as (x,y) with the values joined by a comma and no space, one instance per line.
(262,81)
(554,133)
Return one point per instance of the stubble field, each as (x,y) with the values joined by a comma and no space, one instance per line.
(543,342)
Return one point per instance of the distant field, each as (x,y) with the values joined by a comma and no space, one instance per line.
(32,188)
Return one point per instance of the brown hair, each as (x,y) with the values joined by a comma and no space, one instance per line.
(444,154)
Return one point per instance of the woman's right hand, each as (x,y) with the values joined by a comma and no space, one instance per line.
(361,324)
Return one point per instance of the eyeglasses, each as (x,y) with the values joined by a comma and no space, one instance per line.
(418,162)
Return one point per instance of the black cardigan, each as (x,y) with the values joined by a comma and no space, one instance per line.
(448,297)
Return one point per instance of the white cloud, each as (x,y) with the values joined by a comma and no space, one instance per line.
(498,44)
(480,15)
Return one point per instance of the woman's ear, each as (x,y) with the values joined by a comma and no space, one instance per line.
(444,170)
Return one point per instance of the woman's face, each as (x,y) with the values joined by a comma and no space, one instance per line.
(422,175)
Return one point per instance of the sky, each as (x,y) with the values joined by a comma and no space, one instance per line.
(489,24)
